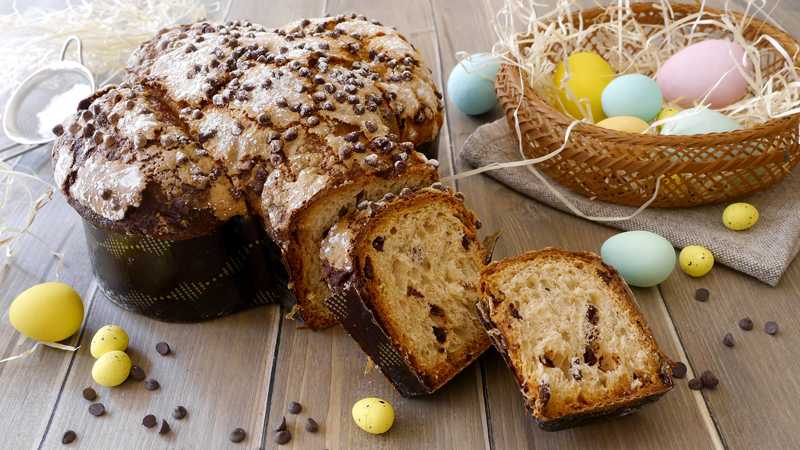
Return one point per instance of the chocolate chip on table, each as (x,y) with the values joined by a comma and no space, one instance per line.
(164,427)
(137,373)
(771,328)
(97,409)
(237,435)
(179,413)
(678,369)
(149,421)
(695,384)
(746,324)
(709,380)
(163,348)
(89,394)
(728,340)
(311,425)
(701,295)
(295,408)
(283,437)
(151,384)
(68,437)
(282,425)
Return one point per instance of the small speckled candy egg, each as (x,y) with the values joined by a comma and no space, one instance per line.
(373,415)
(112,368)
(109,338)
(628,124)
(668,112)
(696,260)
(632,95)
(643,258)
(47,312)
(740,216)
(589,74)
(699,120)
(471,84)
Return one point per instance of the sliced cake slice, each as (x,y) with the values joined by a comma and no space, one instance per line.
(404,275)
(569,328)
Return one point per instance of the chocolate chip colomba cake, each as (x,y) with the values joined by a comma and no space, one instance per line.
(294,126)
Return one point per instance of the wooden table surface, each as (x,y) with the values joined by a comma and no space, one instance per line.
(243,370)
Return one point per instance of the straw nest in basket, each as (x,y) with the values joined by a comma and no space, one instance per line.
(628,168)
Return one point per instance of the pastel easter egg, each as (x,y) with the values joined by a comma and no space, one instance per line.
(107,339)
(739,216)
(470,85)
(711,69)
(373,415)
(643,258)
(47,312)
(628,124)
(589,74)
(667,112)
(696,260)
(112,368)
(699,120)
(632,95)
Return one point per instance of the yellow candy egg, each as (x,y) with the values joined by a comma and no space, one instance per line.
(112,368)
(109,338)
(628,124)
(696,260)
(740,216)
(668,112)
(373,415)
(47,312)
(589,74)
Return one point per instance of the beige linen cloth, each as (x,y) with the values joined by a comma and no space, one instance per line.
(764,251)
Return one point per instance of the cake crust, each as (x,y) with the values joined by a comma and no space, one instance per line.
(536,397)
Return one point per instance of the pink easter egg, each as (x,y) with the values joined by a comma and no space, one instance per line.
(694,73)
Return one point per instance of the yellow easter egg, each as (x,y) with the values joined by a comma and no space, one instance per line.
(47,312)
(112,368)
(668,112)
(589,74)
(373,415)
(696,260)
(109,338)
(628,124)
(740,216)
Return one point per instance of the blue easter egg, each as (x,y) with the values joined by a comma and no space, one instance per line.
(471,84)
(699,120)
(643,258)
(632,95)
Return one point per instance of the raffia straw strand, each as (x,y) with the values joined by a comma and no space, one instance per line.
(30,351)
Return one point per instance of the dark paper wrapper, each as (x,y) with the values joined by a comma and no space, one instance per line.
(233,268)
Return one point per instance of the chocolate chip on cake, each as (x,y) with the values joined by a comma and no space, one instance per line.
(68,437)
(58,130)
(701,295)
(164,427)
(97,409)
(283,437)
(709,380)
(137,373)
(237,435)
(377,243)
(89,394)
(295,407)
(163,349)
(151,384)
(179,413)
(281,425)
(728,340)
(695,384)
(771,328)
(149,421)
(311,425)
(746,324)
(678,369)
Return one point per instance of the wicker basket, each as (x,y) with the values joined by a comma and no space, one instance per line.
(622,168)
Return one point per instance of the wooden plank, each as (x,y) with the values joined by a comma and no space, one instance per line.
(325,370)
(528,225)
(219,370)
